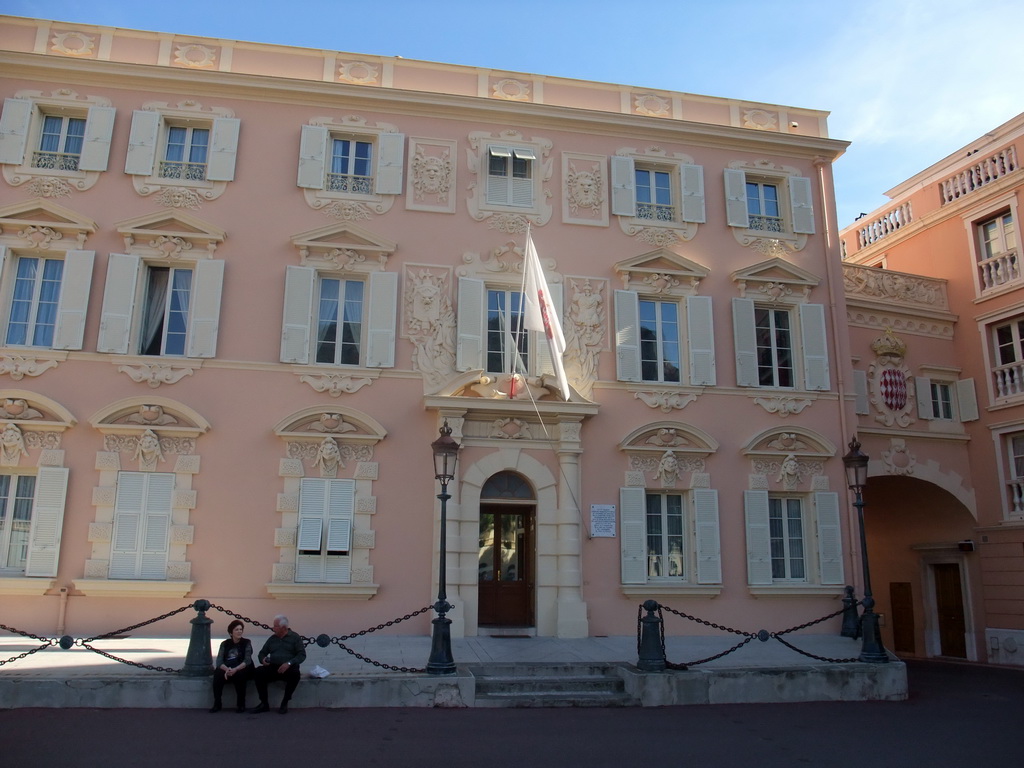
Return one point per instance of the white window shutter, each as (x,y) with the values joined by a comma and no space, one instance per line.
(923,390)
(801,202)
(623,186)
(539,347)
(310,533)
(815,344)
(522,193)
(223,149)
(390,163)
(313,502)
(338,569)
(701,341)
(156,533)
(382,320)
(118,303)
(967,400)
(340,506)
(633,545)
(99,127)
(759,543)
(469,350)
(860,388)
(627,336)
(709,546)
(693,193)
(296,325)
(312,157)
(830,542)
(14,126)
(47,522)
(745,340)
(142,141)
(736,213)
(74,299)
(124,548)
(204,316)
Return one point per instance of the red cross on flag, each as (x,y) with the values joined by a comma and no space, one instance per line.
(540,312)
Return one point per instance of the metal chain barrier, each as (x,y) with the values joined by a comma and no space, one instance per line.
(46,643)
(324,640)
(762,635)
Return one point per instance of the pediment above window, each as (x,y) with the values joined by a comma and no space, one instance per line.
(661,272)
(343,424)
(657,438)
(797,441)
(171,235)
(44,225)
(136,415)
(775,280)
(344,247)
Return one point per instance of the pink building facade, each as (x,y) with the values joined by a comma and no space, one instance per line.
(245,285)
(936,311)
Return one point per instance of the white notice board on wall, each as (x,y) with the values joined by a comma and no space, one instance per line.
(602,520)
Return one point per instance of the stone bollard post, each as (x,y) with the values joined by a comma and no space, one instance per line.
(652,649)
(851,621)
(198,659)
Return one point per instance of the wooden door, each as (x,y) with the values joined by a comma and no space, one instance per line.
(949,605)
(901,598)
(506,566)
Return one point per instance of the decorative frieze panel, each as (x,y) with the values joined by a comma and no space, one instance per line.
(428,321)
(887,286)
(890,383)
(783,406)
(160,373)
(666,401)
(431,181)
(585,189)
(584,328)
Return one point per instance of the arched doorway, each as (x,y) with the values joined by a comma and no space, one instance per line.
(506,553)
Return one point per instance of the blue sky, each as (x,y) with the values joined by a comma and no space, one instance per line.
(907,81)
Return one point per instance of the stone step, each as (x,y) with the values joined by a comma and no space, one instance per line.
(550,685)
(534,683)
(556,699)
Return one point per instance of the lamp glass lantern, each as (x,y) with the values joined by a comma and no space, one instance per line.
(856,464)
(446,453)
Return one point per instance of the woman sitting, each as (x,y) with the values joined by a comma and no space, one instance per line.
(234,663)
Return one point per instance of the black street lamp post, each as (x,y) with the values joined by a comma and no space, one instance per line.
(857,477)
(446,453)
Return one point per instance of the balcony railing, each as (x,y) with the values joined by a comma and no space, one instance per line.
(765,223)
(1009,380)
(343,182)
(655,212)
(984,172)
(999,270)
(182,171)
(885,225)
(1017,497)
(55,161)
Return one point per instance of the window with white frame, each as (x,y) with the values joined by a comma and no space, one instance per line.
(58,136)
(332,318)
(793,538)
(31,518)
(490,333)
(1014,443)
(46,295)
(323,549)
(142,523)
(1008,350)
(653,335)
(670,536)
(997,251)
(769,347)
(155,308)
(510,176)
(343,163)
(181,148)
(658,191)
(768,203)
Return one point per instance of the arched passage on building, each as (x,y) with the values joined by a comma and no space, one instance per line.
(924,573)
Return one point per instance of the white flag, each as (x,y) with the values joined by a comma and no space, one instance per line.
(540,313)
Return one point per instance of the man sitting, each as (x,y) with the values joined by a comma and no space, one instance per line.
(279,659)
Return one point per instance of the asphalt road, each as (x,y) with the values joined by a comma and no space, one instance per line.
(957,715)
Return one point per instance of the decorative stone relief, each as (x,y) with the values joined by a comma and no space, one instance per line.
(73,43)
(165,445)
(667,401)
(328,458)
(635,479)
(48,441)
(285,537)
(155,375)
(51,458)
(510,429)
(584,333)
(184,498)
(430,183)
(788,471)
(584,192)
(510,89)
(104,495)
(195,56)
(362,574)
(668,470)
(179,571)
(666,437)
(820,483)
(283,573)
(147,451)
(788,442)
(108,461)
(652,105)
(288,502)
(364,539)
(881,284)
(20,366)
(151,415)
(898,459)
(96,569)
(182,534)
(12,446)
(889,382)
(650,463)
(290,468)
(179,197)
(886,320)
(430,325)
(309,451)
(187,465)
(760,119)
(700,480)
(48,186)
(358,72)
(569,432)
(783,406)
(335,384)
(366,505)
(757,482)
